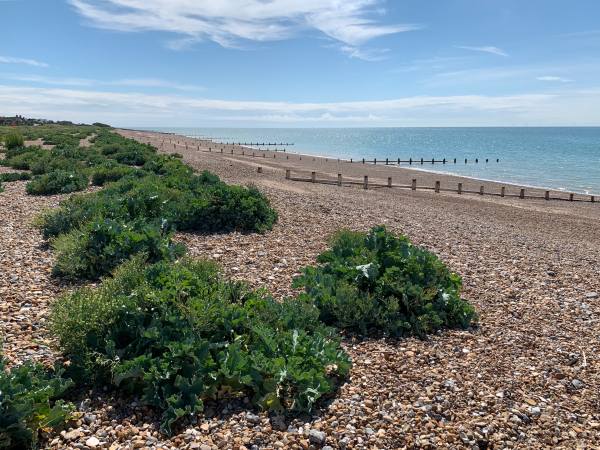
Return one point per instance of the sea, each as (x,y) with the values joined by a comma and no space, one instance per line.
(558,158)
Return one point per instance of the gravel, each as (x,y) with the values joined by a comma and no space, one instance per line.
(526,377)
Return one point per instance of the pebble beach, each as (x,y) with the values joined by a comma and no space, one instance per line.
(528,376)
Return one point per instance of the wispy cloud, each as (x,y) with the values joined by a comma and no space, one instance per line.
(554,79)
(26,61)
(89,82)
(566,107)
(485,49)
(230,23)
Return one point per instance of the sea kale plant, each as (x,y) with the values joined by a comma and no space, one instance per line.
(179,334)
(29,403)
(380,283)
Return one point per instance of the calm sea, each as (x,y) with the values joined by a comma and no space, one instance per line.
(556,158)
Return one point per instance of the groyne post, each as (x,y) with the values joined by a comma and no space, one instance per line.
(313,177)
(287,174)
(547,195)
(413,186)
(437,187)
(459,188)
(522,193)
(481,188)
(339,181)
(502,191)
(389,182)
(366,182)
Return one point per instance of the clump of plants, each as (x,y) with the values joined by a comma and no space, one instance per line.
(14,176)
(179,334)
(109,172)
(57,182)
(12,140)
(29,403)
(380,283)
(98,247)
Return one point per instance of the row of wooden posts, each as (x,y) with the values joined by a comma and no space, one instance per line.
(388,161)
(413,186)
(436,188)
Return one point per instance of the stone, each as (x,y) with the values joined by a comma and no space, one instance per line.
(317,437)
(591,295)
(577,384)
(92,442)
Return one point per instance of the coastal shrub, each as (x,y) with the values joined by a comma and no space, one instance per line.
(109,172)
(13,139)
(190,202)
(178,334)
(21,158)
(100,246)
(57,182)
(29,403)
(378,282)
(14,176)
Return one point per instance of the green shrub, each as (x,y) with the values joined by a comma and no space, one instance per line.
(381,283)
(29,403)
(21,158)
(57,182)
(109,172)
(179,334)
(200,203)
(13,139)
(100,246)
(14,176)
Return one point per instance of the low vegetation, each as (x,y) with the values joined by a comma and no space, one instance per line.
(29,404)
(57,182)
(179,334)
(379,283)
(12,140)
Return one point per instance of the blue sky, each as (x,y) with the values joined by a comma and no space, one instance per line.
(302,62)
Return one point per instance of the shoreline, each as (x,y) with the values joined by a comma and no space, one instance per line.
(205,143)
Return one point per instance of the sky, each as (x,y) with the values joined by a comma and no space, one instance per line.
(302,63)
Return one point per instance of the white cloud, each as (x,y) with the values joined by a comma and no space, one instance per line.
(89,82)
(485,49)
(136,109)
(26,61)
(554,78)
(230,23)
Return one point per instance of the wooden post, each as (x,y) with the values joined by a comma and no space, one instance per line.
(363,160)
(389,182)
(386,162)
(437,187)
(198,148)
(570,197)
(339,179)
(232,151)
(460,188)
(221,151)
(593,199)
(547,195)
(287,174)
(259,170)
(481,188)
(366,182)
(313,177)
(502,191)
(374,160)
(414,184)
(421,161)
(522,194)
